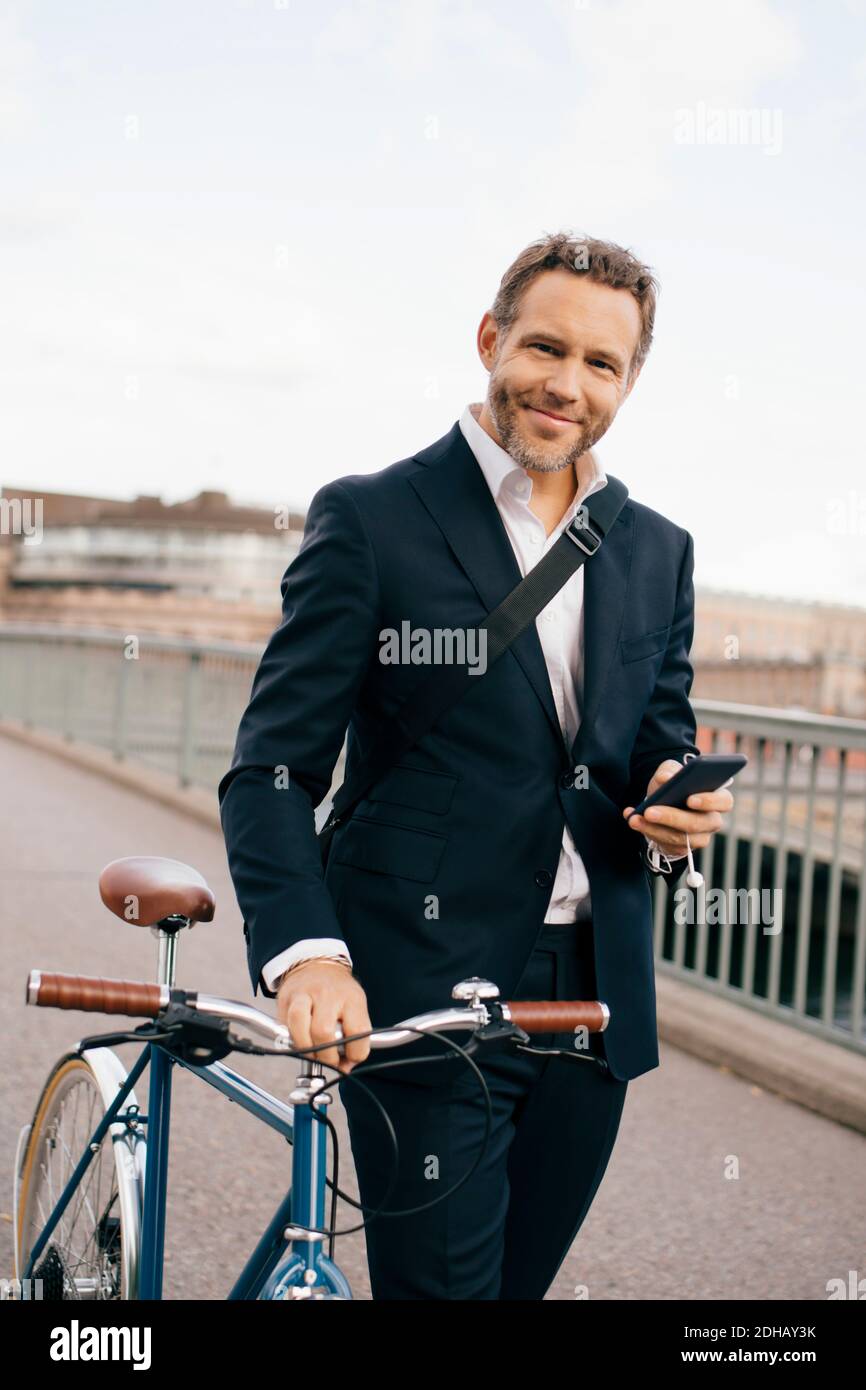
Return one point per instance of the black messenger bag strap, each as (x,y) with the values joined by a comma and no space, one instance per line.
(580,540)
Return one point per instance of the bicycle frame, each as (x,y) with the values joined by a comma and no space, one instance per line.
(272,1270)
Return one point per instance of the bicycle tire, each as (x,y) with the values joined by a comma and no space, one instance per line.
(94,1251)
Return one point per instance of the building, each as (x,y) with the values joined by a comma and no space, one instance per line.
(199,568)
(760,650)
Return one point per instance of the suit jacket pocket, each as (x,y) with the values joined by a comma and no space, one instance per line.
(635,648)
(415,786)
(383,848)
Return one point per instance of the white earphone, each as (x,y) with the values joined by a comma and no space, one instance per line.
(693,878)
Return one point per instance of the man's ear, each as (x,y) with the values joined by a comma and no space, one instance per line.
(487,340)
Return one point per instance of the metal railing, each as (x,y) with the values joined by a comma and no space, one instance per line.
(170,703)
(779,926)
(795,843)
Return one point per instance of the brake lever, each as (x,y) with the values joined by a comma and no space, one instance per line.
(200,1039)
(497,1030)
(190,1036)
(602,1065)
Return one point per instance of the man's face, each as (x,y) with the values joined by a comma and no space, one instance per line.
(566,355)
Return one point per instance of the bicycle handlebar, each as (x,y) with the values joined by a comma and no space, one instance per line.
(135,998)
(91,994)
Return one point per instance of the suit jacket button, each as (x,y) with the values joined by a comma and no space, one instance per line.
(567,780)
(544,878)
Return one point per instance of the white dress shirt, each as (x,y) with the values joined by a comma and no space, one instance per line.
(560,631)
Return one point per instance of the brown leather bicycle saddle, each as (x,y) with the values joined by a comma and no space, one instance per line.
(144,889)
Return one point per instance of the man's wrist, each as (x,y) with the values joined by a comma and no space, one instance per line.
(311,960)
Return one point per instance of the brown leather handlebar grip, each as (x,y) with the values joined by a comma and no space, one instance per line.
(558,1015)
(94,995)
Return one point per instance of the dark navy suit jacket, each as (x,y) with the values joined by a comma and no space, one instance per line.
(473,814)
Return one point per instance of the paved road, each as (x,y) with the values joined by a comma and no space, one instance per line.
(667,1222)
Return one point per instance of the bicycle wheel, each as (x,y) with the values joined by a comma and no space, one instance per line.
(93,1252)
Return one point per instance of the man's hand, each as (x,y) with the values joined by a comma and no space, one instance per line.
(313,998)
(667,825)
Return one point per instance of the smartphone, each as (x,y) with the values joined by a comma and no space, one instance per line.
(704,774)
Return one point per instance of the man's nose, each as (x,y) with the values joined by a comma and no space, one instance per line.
(564,383)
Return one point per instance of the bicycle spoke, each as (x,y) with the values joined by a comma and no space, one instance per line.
(94,1165)
(85,1246)
(47,1165)
(85,1186)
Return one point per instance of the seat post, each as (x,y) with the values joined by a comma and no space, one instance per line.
(166,931)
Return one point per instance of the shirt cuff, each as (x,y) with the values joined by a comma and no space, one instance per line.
(307,949)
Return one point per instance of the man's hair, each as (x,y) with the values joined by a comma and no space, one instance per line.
(602,261)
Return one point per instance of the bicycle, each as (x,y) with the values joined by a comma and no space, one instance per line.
(110,1244)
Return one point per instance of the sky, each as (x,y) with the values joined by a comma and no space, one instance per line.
(246,245)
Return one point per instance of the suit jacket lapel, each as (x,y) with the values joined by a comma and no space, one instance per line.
(454,490)
(605,582)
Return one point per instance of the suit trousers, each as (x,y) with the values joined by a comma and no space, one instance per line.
(505,1232)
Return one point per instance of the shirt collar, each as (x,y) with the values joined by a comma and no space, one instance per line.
(501,472)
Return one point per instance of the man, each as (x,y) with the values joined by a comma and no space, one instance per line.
(502,845)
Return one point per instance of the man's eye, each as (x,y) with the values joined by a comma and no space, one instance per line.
(600,362)
(545,347)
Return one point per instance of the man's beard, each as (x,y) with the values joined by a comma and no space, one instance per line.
(505,413)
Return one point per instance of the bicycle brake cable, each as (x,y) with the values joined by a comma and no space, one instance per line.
(145,1033)
(410,1211)
(407,1061)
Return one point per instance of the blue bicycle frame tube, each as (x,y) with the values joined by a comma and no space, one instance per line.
(306,1266)
(155,1174)
(303,1205)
